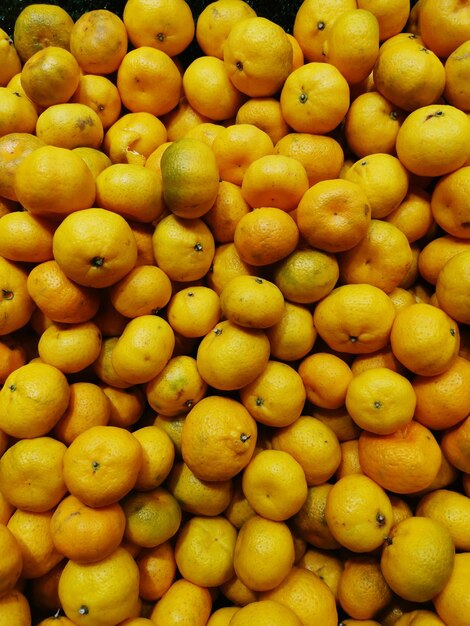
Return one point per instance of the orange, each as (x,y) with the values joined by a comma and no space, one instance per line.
(183,247)
(274,484)
(199,497)
(14,147)
(194,311)
(59,298)
(79,126)
(157,570)
(84,534)
(14,85)
(152,517)
(209,90)
(190,177)
(6,509)
(435,254)
(109,321)
(157,90)
(401,298)
(181,119)
(457,69)
(408,74)
(413,216)
(307,275)
(131,190)
(228,208)
(101,95)
(314,98)
(371,124)
(264,553)
(104,370)
(133,137)
(143,237)
(444,25)
(449,204)
(96,160)
(307,595)
(264,113)
(276,397)
(258,56)
(183,601)
(334,215)
(70,348)
(428,545)
(309,523)
(41,25)
(16,305)
(326,378)
(127,404)
(425,339)
(143,291)
(404,461)
(275,180)
(215,21)
(226,264)
(206,131)
(380,358)
(454,443)
(12,562)
(321,155)
(31,474)
(443,400)
(62,71)
(238,145)
(165,25)
(15,607)
(86,596)
(231,356)
(265,235)
(355,319)
(349,463)
(11,62)
(392,18)
(18,112)
(94,247)
(218,438)
(325,565)
(32,400)
(294,335)
(451,285)
(204,550)
(313,445)
(352,44)
(98,41)
(313,21)
(433,140)
(369,173)
(380,400)
(239,509)
(358,513)
(25,237)
(88,406)
(32,533)
(451,602)
(72,180)
(252,302)
(264,612)
(158,454)
(450,508)
(362,590)
(13,356)
(94,462)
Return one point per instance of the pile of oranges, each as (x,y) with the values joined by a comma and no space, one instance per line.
(234,316)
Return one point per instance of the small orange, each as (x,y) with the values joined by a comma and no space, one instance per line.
(14,147)
(252,302)
(165,25)
(403,462)
(101,95)
(321,155)
(425,339)
(457,71)
(362,578)
(98,40)
(326,378)
(19,114)
(450,508)
(218,438)
(148,80)
(265,612)
(12,356)
(157,570)
(143,291)
(79,125)
(257,56)
(103,368)
(334,215)
(380,358)
(12,561)
(133,137)
(227,210)
(96,160)
(26,237)
(452,602)
(70,347)
(314,98)
(94,462)
(214,22)
(413,216)
(11,62)
(182,119)
(452,284)
(264,113)
(392,18)
(194,311)
(226,264)
(449,203)
(177,388)
(313,445)
(230,356)
(435,254)
(205,131)
(349,463)
(265,235)
(127,404)
(294,335)
(276,397)
(158,454)
(444,25)
(16,305)
(183,601)
(454,443)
